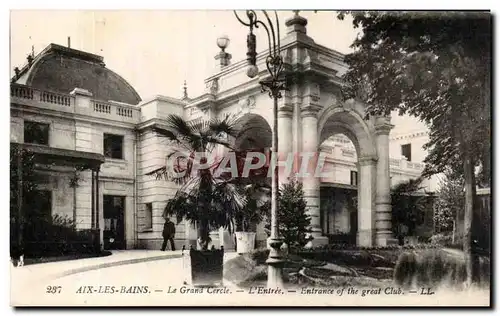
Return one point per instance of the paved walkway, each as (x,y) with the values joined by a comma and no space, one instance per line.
(159,270)
(118,257)
(46,272)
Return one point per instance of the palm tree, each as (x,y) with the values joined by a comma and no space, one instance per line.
(208,200)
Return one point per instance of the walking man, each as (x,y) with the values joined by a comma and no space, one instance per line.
(168,234)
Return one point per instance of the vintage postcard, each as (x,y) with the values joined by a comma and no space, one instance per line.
(250,158)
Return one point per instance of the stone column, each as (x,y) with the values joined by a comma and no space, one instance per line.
(383,216)
(285,143)
(367,167)
(311,183)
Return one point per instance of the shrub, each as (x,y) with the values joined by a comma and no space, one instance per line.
(433,267)
(405,269)
(293,220)
(408,209)
(259,255)
(58,236)
(441,239)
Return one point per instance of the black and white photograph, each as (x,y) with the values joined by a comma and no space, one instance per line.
(334,158)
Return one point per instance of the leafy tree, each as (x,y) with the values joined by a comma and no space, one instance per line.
(21,161)
(293,220)
(407,207)
(449,203)
(204,198)
(434,66)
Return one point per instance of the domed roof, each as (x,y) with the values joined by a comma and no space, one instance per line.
(62,69)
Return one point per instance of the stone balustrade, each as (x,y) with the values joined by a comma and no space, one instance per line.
(415,165)
(114,109)
(28,93)
(336,153)
(393,162)
(24,95)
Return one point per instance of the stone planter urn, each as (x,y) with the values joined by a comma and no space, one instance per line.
(245,242)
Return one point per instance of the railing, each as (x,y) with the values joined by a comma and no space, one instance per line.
(349,155)
(55,98)
(25,92)
(395,162)
(71,103)
(102,107)
(121,111)
(415,165)
(110,108)
(21,92)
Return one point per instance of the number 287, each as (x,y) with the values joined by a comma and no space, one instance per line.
(54,289)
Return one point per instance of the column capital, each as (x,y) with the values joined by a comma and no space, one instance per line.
(368,160)
(310,111)
(383,125)
(285,112)
(383,128)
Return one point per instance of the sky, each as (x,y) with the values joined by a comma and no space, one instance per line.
(157,50)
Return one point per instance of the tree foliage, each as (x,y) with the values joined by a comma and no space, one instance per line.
(205,199)
(23,161)
(408,207)
(208,197)
(449,202)
(434,66)
(293,220)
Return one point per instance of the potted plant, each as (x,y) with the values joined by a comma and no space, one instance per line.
(204,199)
(254,210)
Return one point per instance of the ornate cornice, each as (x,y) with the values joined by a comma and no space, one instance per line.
(310,111)
(410,135)
(164,99)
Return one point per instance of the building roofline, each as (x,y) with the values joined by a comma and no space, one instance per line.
(62,49)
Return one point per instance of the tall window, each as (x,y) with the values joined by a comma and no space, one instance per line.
(354,178)
(406,151)
(148,216)
(36,133)
(113,146)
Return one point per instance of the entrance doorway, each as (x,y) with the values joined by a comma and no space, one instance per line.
(114,222)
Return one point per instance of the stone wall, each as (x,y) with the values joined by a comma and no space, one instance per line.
(152,152)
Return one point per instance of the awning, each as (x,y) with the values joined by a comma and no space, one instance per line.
(63,157)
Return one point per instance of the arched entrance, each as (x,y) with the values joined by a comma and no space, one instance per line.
(253,134)
(338,190)
(370,140)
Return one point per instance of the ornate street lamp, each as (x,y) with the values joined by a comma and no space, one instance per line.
(274,85)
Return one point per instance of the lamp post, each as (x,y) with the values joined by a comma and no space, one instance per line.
(274,85)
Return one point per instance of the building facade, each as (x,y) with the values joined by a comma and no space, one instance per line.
(78,107)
